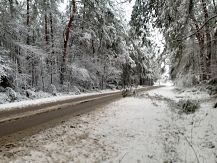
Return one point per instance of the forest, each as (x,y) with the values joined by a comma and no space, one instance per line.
(90,46)
(190,33)
(123,81)
(85,48)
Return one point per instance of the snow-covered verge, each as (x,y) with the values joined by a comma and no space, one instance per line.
(142,128)
(5,99)
(45,98)
(187,137)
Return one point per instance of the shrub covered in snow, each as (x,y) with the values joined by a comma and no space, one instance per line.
(2,89)
(53,90)
(213,81)
(128,92)
(30,94)
(80,76)
(188,106)
(4,62)
(11,94)
(125,92)
(212,89)
(187,80)
(76,90)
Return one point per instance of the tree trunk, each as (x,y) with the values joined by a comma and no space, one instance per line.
(28,21)
(202,62)
(214,57)
(214,4)
(46,29)
(33,37)
(65,45)
(208,40)
(17,51)
(201,41)
(84,16)
(52,48)
(12,8)
(46,23)
(52,33)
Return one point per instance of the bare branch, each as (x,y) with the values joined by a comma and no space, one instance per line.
(198,29)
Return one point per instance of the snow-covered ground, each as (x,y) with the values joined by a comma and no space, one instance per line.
(143,128)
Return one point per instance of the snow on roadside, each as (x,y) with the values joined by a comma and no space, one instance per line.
(143,128)
(123,131)
(188,137)
(36,102)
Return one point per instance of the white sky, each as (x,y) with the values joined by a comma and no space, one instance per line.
(128,9)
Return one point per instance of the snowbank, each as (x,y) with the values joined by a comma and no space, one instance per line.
(38,102)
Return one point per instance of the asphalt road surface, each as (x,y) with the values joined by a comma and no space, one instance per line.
(12,121)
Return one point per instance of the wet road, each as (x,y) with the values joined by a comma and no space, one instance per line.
(15,120)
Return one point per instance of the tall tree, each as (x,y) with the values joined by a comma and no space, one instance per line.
(28,21)
(208,39)
(46,22)
(180,21)
(66,35)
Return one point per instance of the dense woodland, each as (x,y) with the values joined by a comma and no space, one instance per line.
(189,29)
(88,46)
(91,46)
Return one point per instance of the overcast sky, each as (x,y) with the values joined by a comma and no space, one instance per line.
(128,9)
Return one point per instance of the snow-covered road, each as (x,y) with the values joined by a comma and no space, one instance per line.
(143,128)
